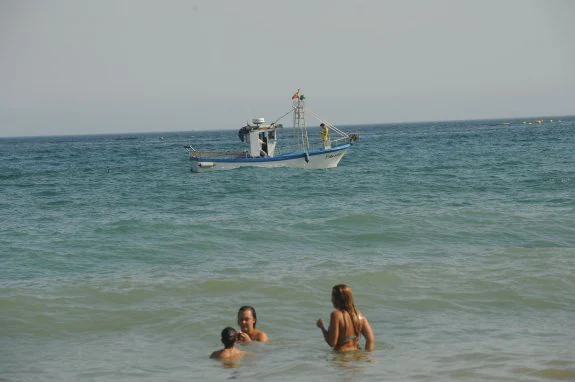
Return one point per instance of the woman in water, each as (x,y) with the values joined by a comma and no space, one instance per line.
(346,323)
(229,352)
(247,320)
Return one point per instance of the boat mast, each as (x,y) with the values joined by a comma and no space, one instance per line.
(299,120)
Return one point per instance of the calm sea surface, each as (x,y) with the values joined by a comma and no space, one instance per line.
(458,240)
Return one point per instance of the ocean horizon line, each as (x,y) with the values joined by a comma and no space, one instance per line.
(499,119)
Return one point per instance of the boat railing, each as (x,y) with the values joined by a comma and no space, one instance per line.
(312,146)
(339,141)
(285,149)
(219,154)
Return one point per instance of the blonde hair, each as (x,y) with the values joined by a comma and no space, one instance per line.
(343,300)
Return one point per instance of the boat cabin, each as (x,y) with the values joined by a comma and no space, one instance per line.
(260,137)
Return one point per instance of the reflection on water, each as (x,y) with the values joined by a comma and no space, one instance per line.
(230,364)
(352,359)
(547,373)
(236,362)
(352,363)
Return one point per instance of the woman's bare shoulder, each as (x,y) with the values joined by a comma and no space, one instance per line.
(336,313)
(261,336)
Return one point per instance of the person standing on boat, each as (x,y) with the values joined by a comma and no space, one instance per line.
(247,320)
(346,323)
(325,135)
(263,141)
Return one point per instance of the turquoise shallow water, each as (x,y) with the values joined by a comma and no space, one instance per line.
(458,240)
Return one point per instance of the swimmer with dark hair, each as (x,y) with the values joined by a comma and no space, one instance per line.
(229,352)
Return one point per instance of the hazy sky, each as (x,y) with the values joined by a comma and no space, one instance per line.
(104,66)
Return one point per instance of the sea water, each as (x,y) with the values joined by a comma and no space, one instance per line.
(457,239)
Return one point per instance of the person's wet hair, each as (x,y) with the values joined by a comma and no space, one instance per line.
(229,337)
(343,300)
(247,307)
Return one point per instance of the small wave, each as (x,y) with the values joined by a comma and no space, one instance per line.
(363,218)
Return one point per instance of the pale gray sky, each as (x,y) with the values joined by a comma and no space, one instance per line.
(105,66)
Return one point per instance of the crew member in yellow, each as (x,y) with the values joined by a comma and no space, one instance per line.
(324,132)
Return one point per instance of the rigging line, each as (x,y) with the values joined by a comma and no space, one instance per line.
(329,125)
(277,120)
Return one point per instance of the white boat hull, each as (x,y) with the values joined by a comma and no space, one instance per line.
(317,159)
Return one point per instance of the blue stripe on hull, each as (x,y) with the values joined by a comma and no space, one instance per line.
(281,157)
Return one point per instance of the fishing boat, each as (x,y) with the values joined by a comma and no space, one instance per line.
(263,149)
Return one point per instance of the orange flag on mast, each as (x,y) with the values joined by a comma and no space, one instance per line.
(296,95)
